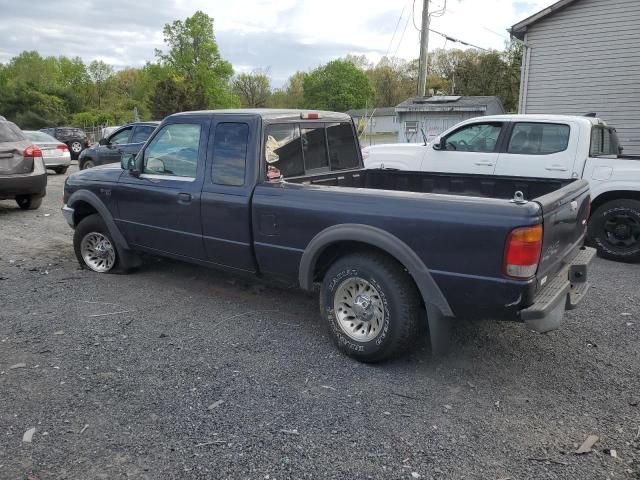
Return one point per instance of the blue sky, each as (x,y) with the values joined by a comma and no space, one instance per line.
(281,35)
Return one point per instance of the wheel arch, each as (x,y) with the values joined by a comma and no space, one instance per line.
(605,197)
(340,239)
(87,203)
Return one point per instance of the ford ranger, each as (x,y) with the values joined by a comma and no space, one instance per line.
(282,195)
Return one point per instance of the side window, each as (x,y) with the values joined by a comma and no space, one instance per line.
(538,138)
(174,151)
(604,141)
(283,151)
(478,137)
(142,133)
(121,137)
(343,152)
(230,153)
(314,148)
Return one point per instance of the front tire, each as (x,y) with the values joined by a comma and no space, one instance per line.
(371,306)
(95,249)
(614,229)
(28,202)
(88,163)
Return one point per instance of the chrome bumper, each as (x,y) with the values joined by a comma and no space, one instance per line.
(68,212)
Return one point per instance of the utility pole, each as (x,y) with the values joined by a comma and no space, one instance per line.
(424,50)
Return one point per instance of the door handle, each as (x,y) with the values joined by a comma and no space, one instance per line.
(184,198)
(485,164)
(556,168)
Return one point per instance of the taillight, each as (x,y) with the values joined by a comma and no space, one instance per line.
(522,252)
(32,151)
(64,148)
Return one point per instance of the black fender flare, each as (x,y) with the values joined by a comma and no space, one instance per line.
(431,293)
(93,200)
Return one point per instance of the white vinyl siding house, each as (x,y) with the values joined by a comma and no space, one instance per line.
(378,120)
(583,56)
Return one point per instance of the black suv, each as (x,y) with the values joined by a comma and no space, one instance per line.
(128,139)
(74,138)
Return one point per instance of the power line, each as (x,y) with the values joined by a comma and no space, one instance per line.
(402,36)
(452,39)
(396,30)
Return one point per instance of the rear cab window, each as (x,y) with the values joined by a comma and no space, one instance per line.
(293,150)
(604,142)
(536,138)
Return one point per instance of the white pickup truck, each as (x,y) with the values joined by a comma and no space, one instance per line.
(544,146)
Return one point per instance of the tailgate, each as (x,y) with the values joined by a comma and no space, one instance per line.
(565,213)
(12,161)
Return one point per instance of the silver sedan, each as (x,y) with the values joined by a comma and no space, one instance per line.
(55,154)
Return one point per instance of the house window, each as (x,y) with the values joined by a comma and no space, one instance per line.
(411,126)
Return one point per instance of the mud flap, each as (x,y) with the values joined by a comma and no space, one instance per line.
(439,331)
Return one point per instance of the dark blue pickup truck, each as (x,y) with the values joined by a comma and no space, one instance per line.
(281,194)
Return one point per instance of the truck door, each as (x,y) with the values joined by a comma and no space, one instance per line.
(160,209)
(226,195)
(539,149)
(471,148)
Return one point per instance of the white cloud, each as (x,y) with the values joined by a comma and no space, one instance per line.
(285,35)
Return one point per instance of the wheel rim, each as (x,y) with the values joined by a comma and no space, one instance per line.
(359,309)
(88,164)
(622,231)
(76,147)
(98,252)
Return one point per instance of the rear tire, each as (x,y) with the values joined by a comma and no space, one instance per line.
(95,249)
(28,202)
(371,306)
(614,229)
(75,148)
(60,170)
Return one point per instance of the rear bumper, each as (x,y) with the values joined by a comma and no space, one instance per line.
(57,161)
(564,292)
(34,183)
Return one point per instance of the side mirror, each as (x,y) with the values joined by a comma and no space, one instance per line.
(440,144)
(103,142)
(128,162)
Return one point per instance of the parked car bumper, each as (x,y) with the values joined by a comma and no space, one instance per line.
(62,161)
(34,183)
(67,213)
(561,293)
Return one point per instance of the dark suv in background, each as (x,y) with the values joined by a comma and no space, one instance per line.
(128,139)
(74,138)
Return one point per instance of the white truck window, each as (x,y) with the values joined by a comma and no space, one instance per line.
(478,137)
(538,138)
(604,141)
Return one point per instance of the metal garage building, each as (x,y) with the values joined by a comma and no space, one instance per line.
(583,56)
(435,114)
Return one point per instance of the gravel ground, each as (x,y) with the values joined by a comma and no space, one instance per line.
(176,371)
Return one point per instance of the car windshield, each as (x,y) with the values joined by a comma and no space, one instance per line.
(40,137)
(9,132)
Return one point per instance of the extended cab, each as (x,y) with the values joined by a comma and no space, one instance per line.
(282,195)
(541,146)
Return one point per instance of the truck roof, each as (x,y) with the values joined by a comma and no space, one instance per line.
(273,115)
(546,118)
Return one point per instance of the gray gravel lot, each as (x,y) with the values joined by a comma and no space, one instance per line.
(176,371)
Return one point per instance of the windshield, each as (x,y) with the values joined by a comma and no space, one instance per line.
(39,137)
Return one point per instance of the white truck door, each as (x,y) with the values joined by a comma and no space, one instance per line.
(471,148)
(540,149)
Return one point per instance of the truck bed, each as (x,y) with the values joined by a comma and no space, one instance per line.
(442,183)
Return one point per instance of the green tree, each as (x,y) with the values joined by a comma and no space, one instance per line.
(100,73)
(253,89)
(291,95)
(170,95)
(194,55)
(338,85)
